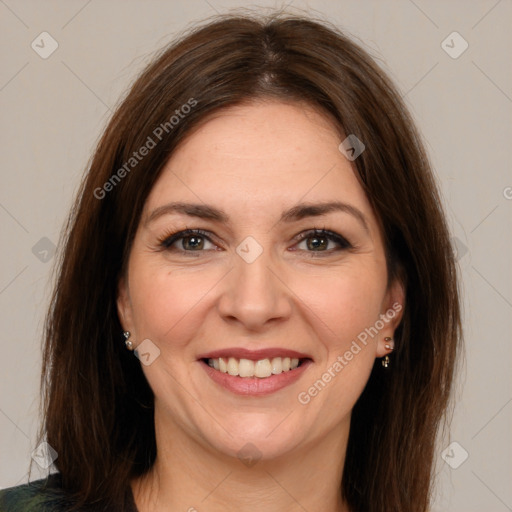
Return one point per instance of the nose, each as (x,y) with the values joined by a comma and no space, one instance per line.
(255,294)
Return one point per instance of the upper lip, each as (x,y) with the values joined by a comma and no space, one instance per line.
(255,355)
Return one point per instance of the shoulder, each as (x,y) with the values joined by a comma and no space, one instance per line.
(43,495)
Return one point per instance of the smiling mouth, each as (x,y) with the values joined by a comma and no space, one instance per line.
(247,368)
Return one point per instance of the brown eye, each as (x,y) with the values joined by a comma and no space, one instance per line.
(319,240)
(192,240)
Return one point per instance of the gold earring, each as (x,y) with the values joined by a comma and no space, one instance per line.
(390,346)
(127,342)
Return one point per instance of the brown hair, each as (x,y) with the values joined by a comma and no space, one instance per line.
(97,404)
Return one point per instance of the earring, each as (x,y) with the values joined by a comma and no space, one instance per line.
(390,346)
(127,342)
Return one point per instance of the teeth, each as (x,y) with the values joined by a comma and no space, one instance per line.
(246,368)
(262,368)
(232,366)
(277,365)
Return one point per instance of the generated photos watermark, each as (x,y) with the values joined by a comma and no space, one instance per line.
(151,142)
(304,397)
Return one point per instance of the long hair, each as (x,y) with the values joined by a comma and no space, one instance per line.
(97,404)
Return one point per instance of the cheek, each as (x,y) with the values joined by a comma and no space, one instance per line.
(164,301)
(344,306)
(344,303)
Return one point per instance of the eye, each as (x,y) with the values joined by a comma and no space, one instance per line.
(192,240)
(197,240)
(318,240)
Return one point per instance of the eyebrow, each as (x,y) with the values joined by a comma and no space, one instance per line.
(294,214)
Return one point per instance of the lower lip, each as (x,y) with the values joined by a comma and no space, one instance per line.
(254,386)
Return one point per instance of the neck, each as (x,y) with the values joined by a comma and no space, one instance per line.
(186,476)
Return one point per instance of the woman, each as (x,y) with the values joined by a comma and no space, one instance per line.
(257,303)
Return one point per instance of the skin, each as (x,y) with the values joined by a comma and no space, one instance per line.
(253,162)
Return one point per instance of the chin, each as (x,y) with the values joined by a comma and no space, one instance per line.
(253,439)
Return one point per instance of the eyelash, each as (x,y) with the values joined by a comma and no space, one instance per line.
(167,240)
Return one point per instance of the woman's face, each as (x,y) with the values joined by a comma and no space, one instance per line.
(222,313)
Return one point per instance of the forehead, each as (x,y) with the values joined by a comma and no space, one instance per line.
(260,156)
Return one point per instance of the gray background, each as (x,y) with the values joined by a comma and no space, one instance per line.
(54,109)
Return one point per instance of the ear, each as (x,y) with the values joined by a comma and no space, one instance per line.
(392,312)
(124,306)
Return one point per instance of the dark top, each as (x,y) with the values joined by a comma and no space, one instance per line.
(45,495)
